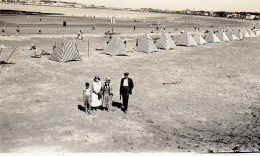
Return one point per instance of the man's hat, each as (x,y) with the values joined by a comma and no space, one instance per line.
(126,73)
(107,79)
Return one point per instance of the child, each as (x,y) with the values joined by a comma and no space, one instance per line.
(86,97)
(107,94)
(80,37)
(17,31)
(33,49)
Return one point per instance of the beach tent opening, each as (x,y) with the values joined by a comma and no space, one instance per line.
(257,32)
(251,33)
(115,46)
(145,44)
(238,34)
(64,51)
(222,36)
(186,40)
(165,42)
(245,33)
(199,39)
(212,37)
(232,36)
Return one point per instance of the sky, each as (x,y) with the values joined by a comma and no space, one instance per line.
(207,5)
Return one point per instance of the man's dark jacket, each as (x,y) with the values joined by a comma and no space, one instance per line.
(130,85)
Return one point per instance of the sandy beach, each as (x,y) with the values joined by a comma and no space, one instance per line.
(191,99)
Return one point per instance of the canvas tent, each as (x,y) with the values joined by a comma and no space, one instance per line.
(245,33)
(250,32)
(222,36)
(115,46)
(212,38)
(232,36)
(257,32)
(199,39)
(64,51)
(239,34)
(165,42)
(186,40)
(145,44)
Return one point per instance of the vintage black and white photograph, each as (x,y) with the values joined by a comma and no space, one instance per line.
(129,76)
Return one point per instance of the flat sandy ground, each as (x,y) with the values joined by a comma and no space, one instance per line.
(212,103)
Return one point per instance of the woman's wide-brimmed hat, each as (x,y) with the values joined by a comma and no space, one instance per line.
(97,77)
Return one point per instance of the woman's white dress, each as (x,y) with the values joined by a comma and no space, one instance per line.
(96,88)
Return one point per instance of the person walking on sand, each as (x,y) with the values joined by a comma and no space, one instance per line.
(17,31)
(3,31)
(107,94)
(86,97)
(33,49)
(126,87)
(80,37)
(96,96)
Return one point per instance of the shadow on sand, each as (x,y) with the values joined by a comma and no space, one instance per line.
(82,108)
(118,105)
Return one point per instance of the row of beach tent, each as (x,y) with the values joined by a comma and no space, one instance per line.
(145,43)
(66,50)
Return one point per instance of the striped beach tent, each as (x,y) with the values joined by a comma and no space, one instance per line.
(245,33)
(212,37)
(186,40)
(64,51)
(222,36)
(145,44)
(165,42)
(239,34)
(115,46)
(232,36)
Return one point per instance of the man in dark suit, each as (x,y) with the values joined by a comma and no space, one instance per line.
(126,88)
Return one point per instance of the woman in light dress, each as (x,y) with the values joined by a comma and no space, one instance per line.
(96,93)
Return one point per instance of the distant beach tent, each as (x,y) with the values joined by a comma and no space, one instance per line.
(165,42)
(257,32)
(115,46)
(186,40)
(222,36)
(199,39)
(250,32)
(212,38)
(239,34)
(64,51)
(145,44)
(232,36)
(245,33)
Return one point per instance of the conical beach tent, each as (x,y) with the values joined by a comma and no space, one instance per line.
(239,34)
(115,46)
(145,44)
(64,51)
(165,42)
(232,36)
(250,32)
(186,40)
(222,36)
(199,39)
(257,32)
(245,33)
(212,38)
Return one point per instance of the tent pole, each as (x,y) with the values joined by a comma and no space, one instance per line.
(88,48)
(11,54)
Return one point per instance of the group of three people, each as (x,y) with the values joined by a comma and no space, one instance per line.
(99,95)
